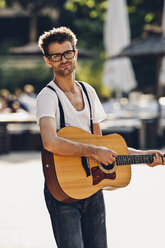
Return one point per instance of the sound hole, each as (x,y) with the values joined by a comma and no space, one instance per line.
(108,167)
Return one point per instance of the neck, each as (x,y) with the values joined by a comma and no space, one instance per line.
(66,84)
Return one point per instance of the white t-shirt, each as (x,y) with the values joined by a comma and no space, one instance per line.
(47,105)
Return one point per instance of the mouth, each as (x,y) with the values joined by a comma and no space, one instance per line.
(64,65)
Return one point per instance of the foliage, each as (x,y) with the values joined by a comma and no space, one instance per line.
(36,5)
(92,8)
(89,28)
(13,77)
(87,70)
(142,12)
(86,19)
(34,8)
(2,3)
(91,71)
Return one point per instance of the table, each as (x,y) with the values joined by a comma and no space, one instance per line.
(18,131)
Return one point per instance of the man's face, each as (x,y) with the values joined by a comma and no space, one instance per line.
(65,66)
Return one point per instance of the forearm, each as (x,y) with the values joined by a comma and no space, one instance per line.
(65,147)
(133,151)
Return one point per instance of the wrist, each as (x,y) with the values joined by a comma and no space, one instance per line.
(91,151)
(133,151)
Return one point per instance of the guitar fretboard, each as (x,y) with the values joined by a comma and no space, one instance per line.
(135,159)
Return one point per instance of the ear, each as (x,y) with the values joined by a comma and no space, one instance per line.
(47,61)
(76,53)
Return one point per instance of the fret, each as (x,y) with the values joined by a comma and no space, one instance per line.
(141,159)
(134,159)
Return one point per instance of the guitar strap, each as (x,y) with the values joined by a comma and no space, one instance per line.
(62,118)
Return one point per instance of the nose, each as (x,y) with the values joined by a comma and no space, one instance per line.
(63,59)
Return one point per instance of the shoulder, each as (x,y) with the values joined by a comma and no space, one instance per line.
(88,87)
(46,93)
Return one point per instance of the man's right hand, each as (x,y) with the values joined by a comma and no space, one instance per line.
(104,155)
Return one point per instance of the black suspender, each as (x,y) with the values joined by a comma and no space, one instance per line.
(62,118)
(85,91)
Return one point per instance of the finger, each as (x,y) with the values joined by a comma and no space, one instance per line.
(114,154)
(157,157)
(157,160)
(154,162)
(113,159)
(158,154)
(161,159)
(110,162)
(106,163)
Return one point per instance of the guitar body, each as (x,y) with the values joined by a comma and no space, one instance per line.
(66,178)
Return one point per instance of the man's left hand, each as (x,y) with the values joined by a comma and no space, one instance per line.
(158,158)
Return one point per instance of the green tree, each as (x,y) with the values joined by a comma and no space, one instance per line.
(88,21)
(89,15)
(142,12)
(2,3)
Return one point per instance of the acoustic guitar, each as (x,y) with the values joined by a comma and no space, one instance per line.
(74,178)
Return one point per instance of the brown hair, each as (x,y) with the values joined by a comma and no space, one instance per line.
(59,35)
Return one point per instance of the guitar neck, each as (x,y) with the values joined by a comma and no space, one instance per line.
(135,159)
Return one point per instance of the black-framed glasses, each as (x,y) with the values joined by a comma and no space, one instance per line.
(69,54)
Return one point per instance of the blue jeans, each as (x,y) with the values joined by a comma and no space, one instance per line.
(80,224)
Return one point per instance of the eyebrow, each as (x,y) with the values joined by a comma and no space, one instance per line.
(63,52)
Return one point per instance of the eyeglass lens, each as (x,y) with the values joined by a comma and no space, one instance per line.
(58,56)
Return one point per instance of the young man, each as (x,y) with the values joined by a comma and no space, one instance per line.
(80,224)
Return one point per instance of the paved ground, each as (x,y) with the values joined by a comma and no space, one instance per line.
(135,214)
